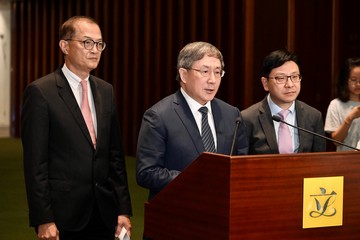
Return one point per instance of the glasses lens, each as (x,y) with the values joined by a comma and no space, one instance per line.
(88,44)
(222,73)
(281,79)
(294,78)
(101,46)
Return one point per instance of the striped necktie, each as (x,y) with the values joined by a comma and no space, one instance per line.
(206,134)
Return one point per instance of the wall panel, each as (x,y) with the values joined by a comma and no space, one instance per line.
(145,36)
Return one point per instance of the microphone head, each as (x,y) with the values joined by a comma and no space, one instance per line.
(276,118)
(238,120)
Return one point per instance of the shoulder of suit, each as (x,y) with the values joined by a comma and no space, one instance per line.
(221,103)
(302,106)
(164,103)
(252,109)
(97,79)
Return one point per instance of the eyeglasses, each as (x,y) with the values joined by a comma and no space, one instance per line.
(354,81)
(89,44)
(206,73)
(295,78)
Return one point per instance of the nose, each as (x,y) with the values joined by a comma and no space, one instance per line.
(212,77)
(94,49)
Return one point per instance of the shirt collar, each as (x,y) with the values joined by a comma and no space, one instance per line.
(194,105)
(275,109)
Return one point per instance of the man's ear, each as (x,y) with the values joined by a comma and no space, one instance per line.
(64,46)
(265,83)
(183,75)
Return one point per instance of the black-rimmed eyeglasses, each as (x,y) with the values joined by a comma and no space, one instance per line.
(89,44)
(295,78)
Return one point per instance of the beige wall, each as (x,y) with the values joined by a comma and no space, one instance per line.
(5,64)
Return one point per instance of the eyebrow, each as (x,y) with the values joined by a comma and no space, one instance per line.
(206,66)
(87,37)
(281,73)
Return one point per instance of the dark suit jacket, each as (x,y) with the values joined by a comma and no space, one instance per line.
(169,139)
(261,131)
(65,176)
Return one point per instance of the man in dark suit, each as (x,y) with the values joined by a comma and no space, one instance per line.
(171,132)
(282,79)
(74,165)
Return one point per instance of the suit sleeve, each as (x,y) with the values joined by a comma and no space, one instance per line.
(35,131)
(151,172)
(242,139)
(118,174)
(319,144)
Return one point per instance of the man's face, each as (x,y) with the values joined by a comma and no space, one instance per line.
(78,59)
(202,81)
(285,93)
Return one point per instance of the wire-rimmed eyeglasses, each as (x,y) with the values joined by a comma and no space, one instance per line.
(89,44)
(206,73)
(295,78)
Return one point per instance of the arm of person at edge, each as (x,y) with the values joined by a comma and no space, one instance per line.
(341,133)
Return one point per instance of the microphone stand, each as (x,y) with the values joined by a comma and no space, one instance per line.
(234,138)
(278,119)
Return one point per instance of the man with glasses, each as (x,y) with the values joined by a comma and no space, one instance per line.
(74,164)
(281,77)
(177,129)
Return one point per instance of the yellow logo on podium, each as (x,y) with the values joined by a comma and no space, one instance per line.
(323,202)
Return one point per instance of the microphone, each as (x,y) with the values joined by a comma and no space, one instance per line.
(278,119)
(237,122)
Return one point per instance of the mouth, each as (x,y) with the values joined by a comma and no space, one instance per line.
(209,90)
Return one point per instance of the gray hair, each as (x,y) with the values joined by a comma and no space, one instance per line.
(195,51)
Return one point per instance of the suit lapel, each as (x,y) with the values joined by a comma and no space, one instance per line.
(98,100)
(68,97)
(267,125)
(219,126)
(183,110)
(301,123)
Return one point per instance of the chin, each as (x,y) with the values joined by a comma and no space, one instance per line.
(92,66)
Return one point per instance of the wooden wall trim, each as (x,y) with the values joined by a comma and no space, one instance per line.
(291,25)
(248,52)
(334,45)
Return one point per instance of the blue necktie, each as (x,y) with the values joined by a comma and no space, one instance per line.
(206,133)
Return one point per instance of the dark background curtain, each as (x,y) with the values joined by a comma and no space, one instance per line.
(144,37)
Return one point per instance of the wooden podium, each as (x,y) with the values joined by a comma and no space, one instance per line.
(252,197)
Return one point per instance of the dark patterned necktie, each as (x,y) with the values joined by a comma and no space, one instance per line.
(206,133)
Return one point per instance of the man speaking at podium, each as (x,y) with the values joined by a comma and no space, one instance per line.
(177,129)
